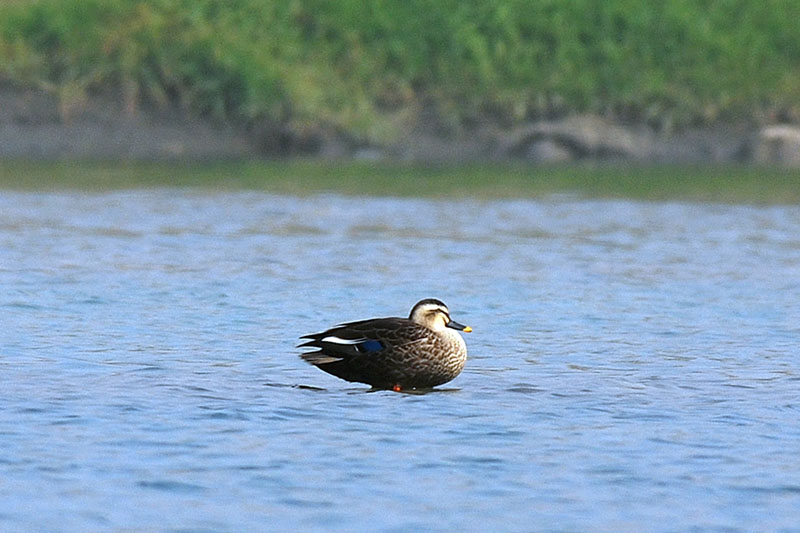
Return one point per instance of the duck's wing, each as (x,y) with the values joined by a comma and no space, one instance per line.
(364,337)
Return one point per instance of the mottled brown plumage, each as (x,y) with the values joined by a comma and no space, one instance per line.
(421,351)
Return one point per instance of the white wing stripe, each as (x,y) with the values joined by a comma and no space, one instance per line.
(338,340)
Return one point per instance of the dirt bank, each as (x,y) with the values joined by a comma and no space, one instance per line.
(33,125)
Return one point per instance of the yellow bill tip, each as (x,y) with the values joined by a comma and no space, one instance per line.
(467,329)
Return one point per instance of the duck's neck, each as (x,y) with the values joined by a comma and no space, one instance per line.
(454,337)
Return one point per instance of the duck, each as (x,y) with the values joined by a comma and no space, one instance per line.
(418,352)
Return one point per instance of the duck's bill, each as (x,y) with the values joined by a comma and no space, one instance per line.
(455,325)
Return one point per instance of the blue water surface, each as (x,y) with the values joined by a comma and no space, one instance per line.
(634,365)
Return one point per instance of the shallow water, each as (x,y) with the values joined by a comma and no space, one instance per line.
(634,366)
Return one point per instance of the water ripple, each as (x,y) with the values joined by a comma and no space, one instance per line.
(632,363)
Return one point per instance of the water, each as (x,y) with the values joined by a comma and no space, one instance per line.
(634,366)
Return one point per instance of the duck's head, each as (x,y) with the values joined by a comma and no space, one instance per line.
(433,314)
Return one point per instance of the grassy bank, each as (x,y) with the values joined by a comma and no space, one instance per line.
(728,185)
(370,69)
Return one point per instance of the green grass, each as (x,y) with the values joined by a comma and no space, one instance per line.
(369,68)
(716,184)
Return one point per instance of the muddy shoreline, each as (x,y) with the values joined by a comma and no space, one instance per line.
(33,125)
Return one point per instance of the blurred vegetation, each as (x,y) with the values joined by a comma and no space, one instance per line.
(723,184)
(371,68)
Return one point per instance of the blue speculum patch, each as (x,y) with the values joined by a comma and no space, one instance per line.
(370,346)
